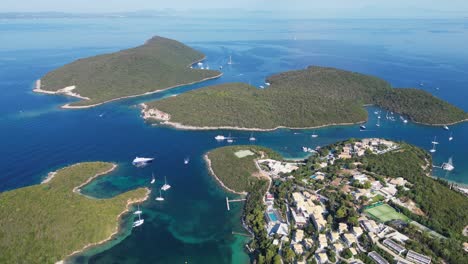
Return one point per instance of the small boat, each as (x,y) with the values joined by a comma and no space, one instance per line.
(230,139)
(202,68)
(166,186)
(207,67)
(221,67)
(153,179)
(186,161)
(314,135)
(138,222)
(220,137)
(376,112)
(262,87)
(252,138)
(101,115)
(160,198)
(200,64)
(451,137)
(139,161)
(446,128)
(378,123)
(137,212)
(267,84)
(362,127)
(230,60)
(448,166)
(434,143)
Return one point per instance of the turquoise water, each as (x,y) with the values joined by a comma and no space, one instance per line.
(192,224)
(272,217)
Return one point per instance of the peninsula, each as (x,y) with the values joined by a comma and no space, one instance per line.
(157,65)
(312,97)
(361,199)
(48,222)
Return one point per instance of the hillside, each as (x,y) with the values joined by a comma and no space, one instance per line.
(157,65)
(239,174)
(312,97)
(45,223)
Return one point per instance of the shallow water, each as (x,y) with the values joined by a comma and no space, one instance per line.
(192,224)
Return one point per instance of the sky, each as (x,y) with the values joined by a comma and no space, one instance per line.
(392,8)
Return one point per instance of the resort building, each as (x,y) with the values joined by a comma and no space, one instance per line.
(361,178)
(417,258)
(298,249)
(342,227)
(322,240)
(357,231)
(398,181)
(370,226)
(321,258)
(299,218)
(395,247)
(349,239)
(308,243)
(338,247)
(298,236)
(377,258)
(278,167)
(333,236)
(280,229)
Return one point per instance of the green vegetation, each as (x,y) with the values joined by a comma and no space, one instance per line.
(158,64)
(238,174)
(441,205)
(385,213)
(305,98)
(45,223)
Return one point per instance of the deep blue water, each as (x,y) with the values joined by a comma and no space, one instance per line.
(192,224)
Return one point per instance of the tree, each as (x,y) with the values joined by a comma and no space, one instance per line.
(289,255)
(277,259)
(261,259)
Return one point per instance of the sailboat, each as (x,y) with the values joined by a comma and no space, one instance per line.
(434,143)
(252,138)
(160,198)
(378,122)
(153,179)
(448,166)
(446,128)
(138,222)
(230,60)
(186,161)
(137,212)
(166,186)
(451,137)
(314,135)
(220,137)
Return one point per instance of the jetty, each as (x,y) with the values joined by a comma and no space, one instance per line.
(233,201)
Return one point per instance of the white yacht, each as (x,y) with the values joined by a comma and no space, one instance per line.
(166,186)
(138,212)
(153,179)
(451,137)
(446,127)
(448,166)
(434,143)
(267,84)
(138,222)
(160,198)
(252,138)
(230,60)
(220,137)
(230,139)
(314,135)
(186,161)
(378,123)
(139,161)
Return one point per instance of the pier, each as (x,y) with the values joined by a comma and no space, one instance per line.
(232,201)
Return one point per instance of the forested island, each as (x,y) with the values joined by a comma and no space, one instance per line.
(358,199)
(45,223)
(157,65)
(312,97)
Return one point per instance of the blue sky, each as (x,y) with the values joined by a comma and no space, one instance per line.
(391,8)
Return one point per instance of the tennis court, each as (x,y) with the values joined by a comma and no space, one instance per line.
(384,213)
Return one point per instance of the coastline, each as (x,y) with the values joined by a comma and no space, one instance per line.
(76,189)
(146,115)
(67,91)
(210,170)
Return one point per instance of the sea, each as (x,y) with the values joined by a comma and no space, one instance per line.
(193,225)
